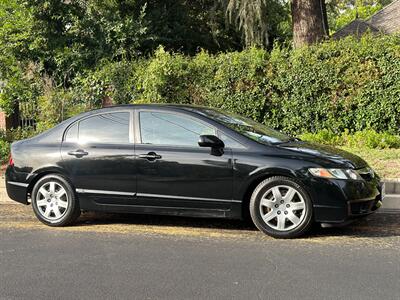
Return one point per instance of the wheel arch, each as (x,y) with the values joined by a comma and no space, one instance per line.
(38,174)
(256,179)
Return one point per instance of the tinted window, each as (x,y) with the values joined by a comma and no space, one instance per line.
(247,127)
(171,129)
(105,128)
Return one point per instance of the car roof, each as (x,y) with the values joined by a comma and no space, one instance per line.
(184,107)
(51,133)
(158,105)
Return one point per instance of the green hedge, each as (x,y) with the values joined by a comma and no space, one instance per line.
(366,139)
(349,84)
(337,85)
(337,92)
(6,138)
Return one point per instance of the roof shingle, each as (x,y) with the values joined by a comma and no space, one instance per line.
(387,21)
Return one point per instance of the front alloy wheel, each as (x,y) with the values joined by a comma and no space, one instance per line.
(281,208)
(54,201)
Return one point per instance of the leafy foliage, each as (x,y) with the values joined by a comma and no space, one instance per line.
(70,56)
(341,85)
(4,150)
(342,12)
(7,137)
(260,21)
(16,38)
(75,35)
(338,85)
(64,41)
(368,139)
(249,15)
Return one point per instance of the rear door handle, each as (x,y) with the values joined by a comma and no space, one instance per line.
(150,156)
(78,153)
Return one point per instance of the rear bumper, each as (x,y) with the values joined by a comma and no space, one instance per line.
(16,188)
(17,191)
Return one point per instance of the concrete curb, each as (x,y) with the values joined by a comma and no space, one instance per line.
(391,194)
(392,187)
(391,201)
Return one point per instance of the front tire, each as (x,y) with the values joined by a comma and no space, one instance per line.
(281,208)
(54,202)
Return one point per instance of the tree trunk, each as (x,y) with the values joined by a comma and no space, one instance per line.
(309,22)
(107,101)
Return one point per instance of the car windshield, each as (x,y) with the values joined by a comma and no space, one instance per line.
(248,127)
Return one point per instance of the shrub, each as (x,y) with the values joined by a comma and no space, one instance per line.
(166,77)
(7,137)
(323,137)
(349,84)
(4,151)
(336,85)
(20,134)
(360,139)
(55,106)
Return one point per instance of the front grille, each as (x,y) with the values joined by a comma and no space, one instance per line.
(360,208)
(363,207)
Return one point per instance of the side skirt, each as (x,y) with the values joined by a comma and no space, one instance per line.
(121,204)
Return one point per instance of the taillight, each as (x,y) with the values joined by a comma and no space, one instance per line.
(11,161)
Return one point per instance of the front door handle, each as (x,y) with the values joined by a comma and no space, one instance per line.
(78,153)
(150,156)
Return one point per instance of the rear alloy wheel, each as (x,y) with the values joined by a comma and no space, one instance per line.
(281,208)
(54,201)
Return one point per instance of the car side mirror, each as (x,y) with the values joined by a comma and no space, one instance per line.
(211,141)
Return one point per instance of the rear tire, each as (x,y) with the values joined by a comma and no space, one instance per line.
(54,202)
(281,208)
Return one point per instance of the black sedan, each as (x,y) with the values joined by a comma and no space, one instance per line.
(187,161)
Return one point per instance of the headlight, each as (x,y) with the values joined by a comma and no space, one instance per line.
(335,173)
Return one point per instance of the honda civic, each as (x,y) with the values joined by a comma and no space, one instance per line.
(192,161)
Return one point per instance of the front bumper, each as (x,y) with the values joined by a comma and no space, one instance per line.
(340,201)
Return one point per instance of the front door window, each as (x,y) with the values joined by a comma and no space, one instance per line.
(159,128)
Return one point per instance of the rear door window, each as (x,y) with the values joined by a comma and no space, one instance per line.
(108,128)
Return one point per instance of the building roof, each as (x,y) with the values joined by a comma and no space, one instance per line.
(388,18)
(357,27)
(387,21)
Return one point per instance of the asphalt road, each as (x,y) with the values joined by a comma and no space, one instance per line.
(148,257)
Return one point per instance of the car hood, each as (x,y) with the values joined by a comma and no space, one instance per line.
(326,153)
